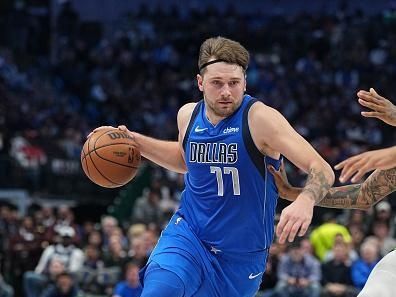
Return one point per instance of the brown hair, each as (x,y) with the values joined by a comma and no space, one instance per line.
(224,49)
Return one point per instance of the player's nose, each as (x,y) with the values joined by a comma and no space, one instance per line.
(225,91)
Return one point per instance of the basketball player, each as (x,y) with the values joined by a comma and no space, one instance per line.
(378,185)
(217,243)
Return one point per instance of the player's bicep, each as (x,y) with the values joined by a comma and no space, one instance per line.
(273,130)
(295,148)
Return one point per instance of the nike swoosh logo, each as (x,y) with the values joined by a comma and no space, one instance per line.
(197,129)
(253,276)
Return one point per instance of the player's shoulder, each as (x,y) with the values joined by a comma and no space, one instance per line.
(185,111)
(184,114)
(187,108)
(260,110)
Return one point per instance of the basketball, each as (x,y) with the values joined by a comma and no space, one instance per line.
(110,158)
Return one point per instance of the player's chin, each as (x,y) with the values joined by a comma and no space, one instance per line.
(226,110)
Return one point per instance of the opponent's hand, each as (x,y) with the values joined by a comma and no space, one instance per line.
(381,107)
(285,189)
(295,218)
(358,165)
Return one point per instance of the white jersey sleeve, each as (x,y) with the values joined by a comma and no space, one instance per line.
(382,279)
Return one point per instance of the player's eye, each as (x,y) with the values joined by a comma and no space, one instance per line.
(216,83)
(234,83)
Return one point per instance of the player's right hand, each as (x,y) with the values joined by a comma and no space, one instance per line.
(381,108)
(125,129)
(121,127)
(98,129)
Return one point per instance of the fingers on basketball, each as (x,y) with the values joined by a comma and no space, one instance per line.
(110,157)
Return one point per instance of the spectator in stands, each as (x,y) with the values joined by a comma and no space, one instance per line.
(339,239)
(70,256)
(383,213)
(147,209)
(138,251)
(108,223)
(88,274)
(64,287)
(34,283)
(336,273)
(361,268)
(5,289)
(135,231)
(357,234)
(24,251)
(322,237)
(64,217)
(48,216)
(95,239)
(150,237)
(381,230)
(299,273)
(114,260)
(270,276)
(130,287)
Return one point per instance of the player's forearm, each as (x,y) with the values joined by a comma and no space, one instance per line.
(164,153)
(320,179)
(360,196)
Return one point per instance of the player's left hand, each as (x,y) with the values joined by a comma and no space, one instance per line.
(295,218)
(358,165)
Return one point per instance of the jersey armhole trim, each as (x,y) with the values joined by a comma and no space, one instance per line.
(190,124)
(255,155)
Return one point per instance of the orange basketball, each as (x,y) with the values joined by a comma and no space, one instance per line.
(110,158)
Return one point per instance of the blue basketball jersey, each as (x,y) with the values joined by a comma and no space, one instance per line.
(230,198)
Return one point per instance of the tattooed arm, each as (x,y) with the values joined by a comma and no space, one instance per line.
(316,186)
(277,138)
(359,196)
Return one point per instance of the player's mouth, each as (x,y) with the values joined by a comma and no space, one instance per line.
(225,102)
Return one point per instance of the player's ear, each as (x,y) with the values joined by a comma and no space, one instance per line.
(245,81)
(200,81)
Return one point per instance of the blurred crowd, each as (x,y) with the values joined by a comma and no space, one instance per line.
(48,254)
(307,66)
(56,87)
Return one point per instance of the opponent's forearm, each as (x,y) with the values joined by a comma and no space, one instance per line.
(392,156)
(320,179)
(360,196)
(164,153)
(377,186)
(393,115)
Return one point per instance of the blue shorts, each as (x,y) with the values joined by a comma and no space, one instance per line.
(205,272)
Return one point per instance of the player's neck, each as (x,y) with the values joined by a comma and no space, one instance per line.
(213,118)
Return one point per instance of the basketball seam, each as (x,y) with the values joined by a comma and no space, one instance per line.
(135,167)
(86,161)
(106,145)
(93,163)
(94,143)
(96,148)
